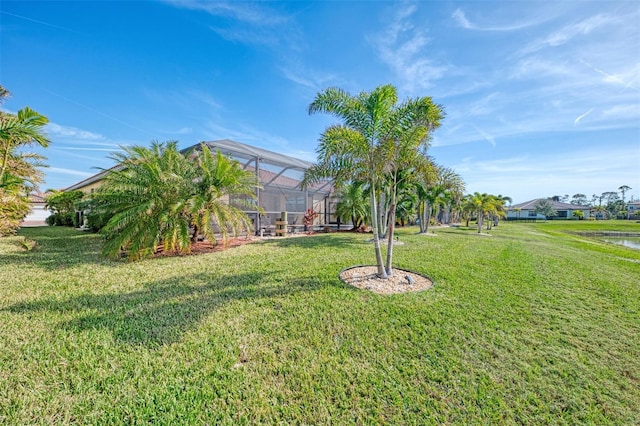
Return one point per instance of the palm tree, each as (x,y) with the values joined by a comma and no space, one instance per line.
(430,199)
(454,187)
(219,177)
(19,172)
(484,205)
(352,204)
(156,194)
(623,189)
(147,195)
(500,210)
(373,141)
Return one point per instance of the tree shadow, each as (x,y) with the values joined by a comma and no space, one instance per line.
(58,248)
(163,311)
(337,240)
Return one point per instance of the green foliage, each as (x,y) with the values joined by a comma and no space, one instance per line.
(159,196)
(545,208)
(13,208)
(63,202)
(533,325)
(19,174)
(375,139)
(578,214)
(352,204)
(485,206)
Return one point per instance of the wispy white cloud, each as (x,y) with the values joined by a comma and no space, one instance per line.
(68,132)
(185,98)
(460,17)
(182,131)
(593,170)
(253,23)
(246,134)
(623,112)
(84,148)
(403,47)
(89,108)
(69,172)
(625,78)
(48,24)
(311,79)
(569,32)
(255,13)
(581,116)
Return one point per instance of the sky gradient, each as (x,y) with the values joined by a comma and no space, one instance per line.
(541,98)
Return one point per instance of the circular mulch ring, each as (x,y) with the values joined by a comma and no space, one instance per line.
(366,277)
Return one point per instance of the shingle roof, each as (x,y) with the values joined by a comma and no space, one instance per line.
(557,205)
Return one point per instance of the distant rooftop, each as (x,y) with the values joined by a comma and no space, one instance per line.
(557,205)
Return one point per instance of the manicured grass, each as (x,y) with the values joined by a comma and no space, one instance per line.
(532,325)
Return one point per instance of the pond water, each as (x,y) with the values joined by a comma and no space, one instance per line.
(632,242)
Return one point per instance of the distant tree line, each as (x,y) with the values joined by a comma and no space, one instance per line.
(608,205)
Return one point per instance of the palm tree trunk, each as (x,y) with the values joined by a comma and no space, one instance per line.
(392,224)
(376,240)
(421,210)
(382,219)
(427,216)
(5,161)
(480,217)
(194,237)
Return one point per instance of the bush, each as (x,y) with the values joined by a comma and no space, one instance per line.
(97,221)
(61,219)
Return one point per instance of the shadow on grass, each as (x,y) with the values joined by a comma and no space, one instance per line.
(163,311)
(58,248)
(338,240)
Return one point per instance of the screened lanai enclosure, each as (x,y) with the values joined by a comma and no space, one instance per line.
(279,176)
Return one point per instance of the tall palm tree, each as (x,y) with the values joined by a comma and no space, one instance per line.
(373,130)
(454,187)
(623,189)
(431,199)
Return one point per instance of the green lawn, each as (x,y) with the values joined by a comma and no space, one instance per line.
(533,325)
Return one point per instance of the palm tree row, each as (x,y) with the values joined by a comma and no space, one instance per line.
(484,207)
(161,197)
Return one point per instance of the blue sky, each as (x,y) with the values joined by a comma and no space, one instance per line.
(542,98)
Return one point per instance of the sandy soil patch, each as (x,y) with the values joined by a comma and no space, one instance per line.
(366,278)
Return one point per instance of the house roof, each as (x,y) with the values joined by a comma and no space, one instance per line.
(557,205)
(91,179)
(37,197)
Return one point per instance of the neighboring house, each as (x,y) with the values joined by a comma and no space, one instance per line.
(633,210)
(279,176)
(38,214)
(525,210)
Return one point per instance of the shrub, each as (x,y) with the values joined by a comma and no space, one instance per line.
(61,219)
